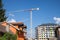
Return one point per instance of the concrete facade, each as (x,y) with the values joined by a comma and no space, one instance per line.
(46,32)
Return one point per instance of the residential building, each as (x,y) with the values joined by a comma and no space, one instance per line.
(46,31)
(13,28)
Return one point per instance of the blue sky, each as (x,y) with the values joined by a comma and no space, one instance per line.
(49,11)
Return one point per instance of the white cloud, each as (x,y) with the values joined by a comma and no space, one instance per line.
(11,15)
(12,20)
(57,20)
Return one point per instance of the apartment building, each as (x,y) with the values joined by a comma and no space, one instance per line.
(46,31)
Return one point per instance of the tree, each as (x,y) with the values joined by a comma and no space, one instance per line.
(8,36)
(2,12)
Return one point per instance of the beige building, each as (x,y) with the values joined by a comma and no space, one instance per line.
(46,31)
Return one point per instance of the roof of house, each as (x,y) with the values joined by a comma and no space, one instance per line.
(17,23)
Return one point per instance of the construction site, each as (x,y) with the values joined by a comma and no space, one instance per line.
(29,20)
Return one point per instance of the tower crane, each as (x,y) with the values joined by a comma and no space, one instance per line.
(30,10)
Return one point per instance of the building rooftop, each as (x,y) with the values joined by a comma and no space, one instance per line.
(49,24)
(17,23)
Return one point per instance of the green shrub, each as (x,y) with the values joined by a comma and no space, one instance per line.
(8,36)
